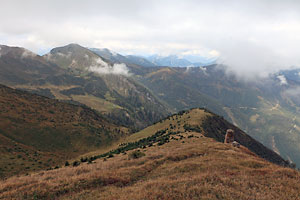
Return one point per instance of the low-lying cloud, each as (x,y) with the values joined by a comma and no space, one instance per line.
(254,38)
(102,67)
(282,80)
(28,54)
(293,93)
(50,56)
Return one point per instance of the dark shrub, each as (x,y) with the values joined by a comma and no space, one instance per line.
(76,163)
(136,154)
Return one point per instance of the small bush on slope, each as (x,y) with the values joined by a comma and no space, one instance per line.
(136,154)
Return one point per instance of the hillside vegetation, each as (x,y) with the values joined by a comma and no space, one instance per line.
(210,125)
(189,166)
(263,108)
(65,74)
(39,133)
(137,96)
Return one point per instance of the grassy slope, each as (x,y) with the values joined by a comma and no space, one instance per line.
(210,125)
(96,103)
(194,117)
(175,87)
(38,133)
(188,168)
(248,105)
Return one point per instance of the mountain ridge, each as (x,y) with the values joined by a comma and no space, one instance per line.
(188,165)
(70,78)
(266,109)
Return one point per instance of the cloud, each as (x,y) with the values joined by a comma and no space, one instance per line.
(293,93)
(203,52)
(0,52)
(49,56)
(188,69)
(28,54)
(282,80)
(102,67)
(68,55)
(204,70)
(252,37)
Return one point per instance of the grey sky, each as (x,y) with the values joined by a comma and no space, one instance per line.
(251,36)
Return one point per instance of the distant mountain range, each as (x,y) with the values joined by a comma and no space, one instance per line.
(131,92)
(176,61)
(154,60)
(76,74)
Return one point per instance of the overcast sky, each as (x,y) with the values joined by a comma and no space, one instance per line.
(251,36)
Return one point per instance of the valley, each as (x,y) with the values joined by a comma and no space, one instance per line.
(88,157)
(137,95)
(150,100)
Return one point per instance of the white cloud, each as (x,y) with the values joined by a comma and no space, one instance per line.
(293,92)
(252,37)
(201,52)
(282,80)
(102,67)
(214,53)
(49,56)
(27,54)
(68,55)
(188,69)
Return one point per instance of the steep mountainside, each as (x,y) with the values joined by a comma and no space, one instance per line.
(173,86)
(138,60)
(38,133)
(136,96)
(173,162)
(209,125)
(113,92)
(21,66)
(65,73)
(266,109)
(109,55)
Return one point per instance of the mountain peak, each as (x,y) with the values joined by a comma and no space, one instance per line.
(70,47)
(16,51)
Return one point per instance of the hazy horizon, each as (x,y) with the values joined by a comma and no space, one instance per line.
(252,37)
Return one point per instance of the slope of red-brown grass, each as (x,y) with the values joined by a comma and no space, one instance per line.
(188,168)
(38,133)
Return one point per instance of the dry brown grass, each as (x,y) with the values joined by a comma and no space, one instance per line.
(38,133)
(96,103)
(193,117)
(199,168)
